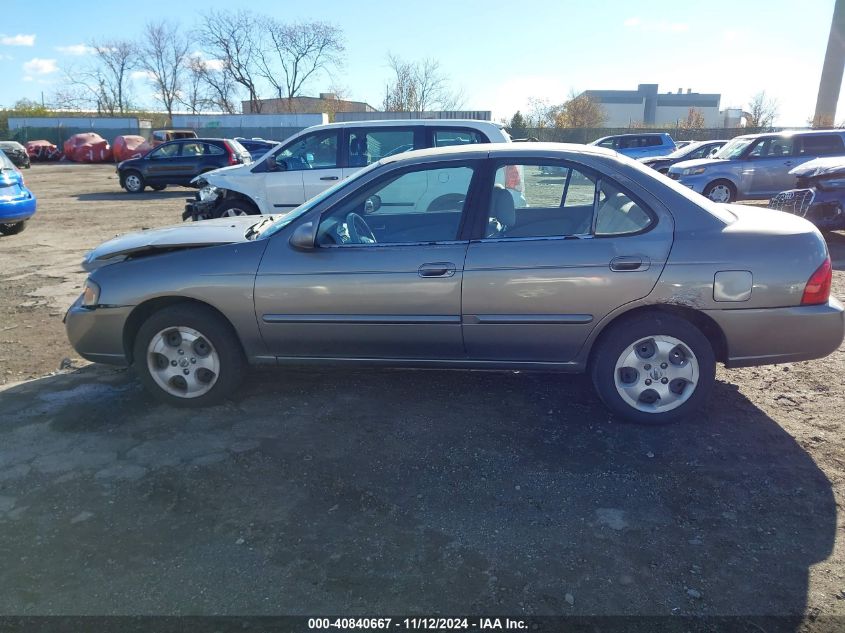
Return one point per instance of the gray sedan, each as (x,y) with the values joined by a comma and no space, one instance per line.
(501,257)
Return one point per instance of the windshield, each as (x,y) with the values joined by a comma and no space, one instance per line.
(5,163)
(733,149)
(281,221)
(685,150)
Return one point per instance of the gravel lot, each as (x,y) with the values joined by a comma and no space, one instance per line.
(376,492)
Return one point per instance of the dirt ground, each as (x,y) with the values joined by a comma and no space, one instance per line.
(375,492)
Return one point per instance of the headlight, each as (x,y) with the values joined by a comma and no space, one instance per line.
(693,171)
(209,192)
(90,294)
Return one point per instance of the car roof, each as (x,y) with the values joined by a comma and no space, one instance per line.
(409,122)
(482,150)
(634,134)
(789,133)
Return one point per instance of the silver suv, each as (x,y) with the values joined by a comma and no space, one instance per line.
(756,166)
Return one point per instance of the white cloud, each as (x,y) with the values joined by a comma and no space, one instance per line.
(633,23)
(214,64)
(38,66)
(17,40)
(75,49)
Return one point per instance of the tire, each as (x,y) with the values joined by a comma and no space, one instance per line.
(724,190)
(235,207)
(133,182)
(680,352)
(13,229)
(208,355)
(158,187)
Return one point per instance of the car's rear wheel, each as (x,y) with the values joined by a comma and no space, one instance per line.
(235,207)
(720,191)
(188,356)
(653,368)
(133,182)
(13,228)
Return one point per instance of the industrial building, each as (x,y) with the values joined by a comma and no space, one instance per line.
(647,105)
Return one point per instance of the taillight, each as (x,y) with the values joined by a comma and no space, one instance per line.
(512,179)
(233,158)
(817,289)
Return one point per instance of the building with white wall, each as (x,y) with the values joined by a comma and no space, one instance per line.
(646,105)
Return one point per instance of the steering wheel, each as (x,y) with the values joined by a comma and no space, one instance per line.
(359,231)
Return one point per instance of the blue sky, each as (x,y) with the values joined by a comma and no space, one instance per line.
(500,53)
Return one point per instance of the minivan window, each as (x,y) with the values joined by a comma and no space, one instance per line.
(317,150)
(457,136)
(369,146)
(772,147)
(820,145)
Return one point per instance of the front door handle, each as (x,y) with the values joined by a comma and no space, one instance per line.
(437,269)
(328,177)
(626,264)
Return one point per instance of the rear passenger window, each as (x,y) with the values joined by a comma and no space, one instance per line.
(652,141)
(618,214)
(369,146)
(537,201)
(821,145)
(213,150)
(457,136)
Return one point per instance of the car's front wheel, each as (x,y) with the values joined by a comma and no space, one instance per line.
(187,355)
(158,187)
(653,368)
(720,191)
(12,229)
(235,207)
(133,182)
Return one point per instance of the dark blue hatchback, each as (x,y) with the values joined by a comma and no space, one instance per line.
(17,203)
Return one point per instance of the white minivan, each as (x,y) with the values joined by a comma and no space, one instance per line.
(316,158)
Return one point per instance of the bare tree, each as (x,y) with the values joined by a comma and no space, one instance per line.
(419,86)
(208,87)
(163,55)
(117,60)
(105,82)
(234,38)
(694,120)
(301,50)
(580,111)
(762,111)
(540,114)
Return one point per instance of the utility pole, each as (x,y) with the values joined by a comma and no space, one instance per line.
(834,66)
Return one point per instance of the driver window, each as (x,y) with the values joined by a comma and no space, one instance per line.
(165,151)
(421,206)
(312,151)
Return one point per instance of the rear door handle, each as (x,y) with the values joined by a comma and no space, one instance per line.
(627,263)
(328,177)
(437,269)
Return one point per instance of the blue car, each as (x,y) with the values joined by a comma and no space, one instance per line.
(17,203)
(638,145)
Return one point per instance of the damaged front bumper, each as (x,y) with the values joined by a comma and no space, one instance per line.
(202,205)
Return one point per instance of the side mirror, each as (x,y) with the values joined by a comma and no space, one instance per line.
(372,204)
(304,236)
